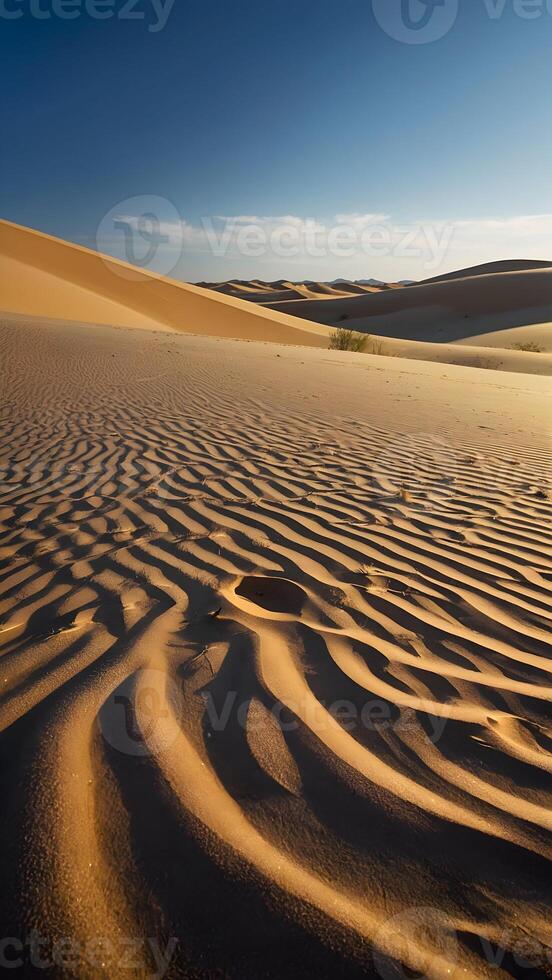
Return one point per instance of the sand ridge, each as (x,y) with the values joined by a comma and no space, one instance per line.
(44,276)
(275,641)
(47,277)
(441,311)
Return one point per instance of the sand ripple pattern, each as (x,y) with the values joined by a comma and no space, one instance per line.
(275,684)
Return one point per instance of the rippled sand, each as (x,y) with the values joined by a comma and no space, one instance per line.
(275,659)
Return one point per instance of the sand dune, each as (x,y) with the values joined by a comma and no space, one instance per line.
(481,351)
(43,276)
(275,645)
(537,334)
(444,311)
(254,292)
(488,268)
(282,290)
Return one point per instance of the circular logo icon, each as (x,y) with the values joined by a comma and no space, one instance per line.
(415,21)
(146,231)
(141,717)
(416,942)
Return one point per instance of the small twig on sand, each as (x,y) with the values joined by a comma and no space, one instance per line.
(197,656)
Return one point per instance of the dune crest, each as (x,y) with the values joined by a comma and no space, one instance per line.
(453,309)
(46,277)
(491,268)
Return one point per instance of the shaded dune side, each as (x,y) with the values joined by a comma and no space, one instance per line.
(45,276)
(173,532)
(440,311)
(276,292)
(488,268)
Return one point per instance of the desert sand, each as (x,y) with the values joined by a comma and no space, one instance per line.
(275,639)
(497,309)
(44,276)
(282,290)
(47,277)
(488,268)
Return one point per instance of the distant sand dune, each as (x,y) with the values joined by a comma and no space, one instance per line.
(43,276)
(282,290)
(488,268)
(442,312)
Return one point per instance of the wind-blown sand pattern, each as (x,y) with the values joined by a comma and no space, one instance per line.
(275,648)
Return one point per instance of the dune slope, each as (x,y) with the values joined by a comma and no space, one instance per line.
(275,645)
(488,268)
(44,276)
(444,311)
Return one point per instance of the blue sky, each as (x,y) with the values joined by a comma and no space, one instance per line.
(272,114)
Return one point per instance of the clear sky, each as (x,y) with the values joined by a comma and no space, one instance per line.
(287,117)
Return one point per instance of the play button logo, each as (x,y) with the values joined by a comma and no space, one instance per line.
(416,21)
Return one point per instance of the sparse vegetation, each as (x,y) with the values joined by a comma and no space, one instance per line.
(376,346)
(341,339)
(528,346)
(485,363)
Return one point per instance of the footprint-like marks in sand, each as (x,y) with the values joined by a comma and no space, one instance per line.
(273,594)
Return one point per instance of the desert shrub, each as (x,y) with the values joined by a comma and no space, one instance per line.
(486,363)
(341,339)
(530,346)
(375,346)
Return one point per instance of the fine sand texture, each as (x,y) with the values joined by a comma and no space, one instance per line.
(276,687)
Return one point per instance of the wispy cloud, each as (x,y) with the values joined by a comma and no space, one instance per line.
(342,244)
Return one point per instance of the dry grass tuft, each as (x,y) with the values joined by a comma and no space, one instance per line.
(341,339)
(528,346)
